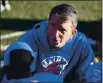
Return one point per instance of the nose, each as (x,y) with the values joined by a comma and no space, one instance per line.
(57,33)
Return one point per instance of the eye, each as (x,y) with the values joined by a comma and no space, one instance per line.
(52,25)
(62,30)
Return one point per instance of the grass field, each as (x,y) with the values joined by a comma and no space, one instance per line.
(88,10)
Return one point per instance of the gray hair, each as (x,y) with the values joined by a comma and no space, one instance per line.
(65,12)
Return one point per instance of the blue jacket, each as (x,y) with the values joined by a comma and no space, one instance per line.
(20,45)
(77,52)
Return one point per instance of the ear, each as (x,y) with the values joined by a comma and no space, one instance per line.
(74,30)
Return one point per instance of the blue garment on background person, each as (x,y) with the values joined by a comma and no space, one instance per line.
(20,45)
(94,73)
(77,52)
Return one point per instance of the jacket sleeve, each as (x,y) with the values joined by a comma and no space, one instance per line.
(85,59)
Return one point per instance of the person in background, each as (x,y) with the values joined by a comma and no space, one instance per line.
(19,61)
(61,49)
(4,5)
(94,73)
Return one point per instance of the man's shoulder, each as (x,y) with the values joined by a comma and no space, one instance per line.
(40,25)
(80,36)
(79,39)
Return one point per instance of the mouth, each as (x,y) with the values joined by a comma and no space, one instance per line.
(56,41)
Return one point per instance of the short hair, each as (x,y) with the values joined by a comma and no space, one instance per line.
(65,12)
(20,61)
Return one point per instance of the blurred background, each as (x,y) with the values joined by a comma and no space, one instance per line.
(22,15)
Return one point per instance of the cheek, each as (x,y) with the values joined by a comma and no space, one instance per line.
(50,32)
(65,37)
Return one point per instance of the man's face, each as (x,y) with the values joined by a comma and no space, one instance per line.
(59,32)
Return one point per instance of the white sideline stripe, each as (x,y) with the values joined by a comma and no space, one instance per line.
(92,42)
(6,36)
(3,48)
(1,63)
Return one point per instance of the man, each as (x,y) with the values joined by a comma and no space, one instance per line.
(19,65)
(60,48)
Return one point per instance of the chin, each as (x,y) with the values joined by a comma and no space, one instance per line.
(59,45)
(56,46)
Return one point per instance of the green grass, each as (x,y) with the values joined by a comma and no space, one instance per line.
(88,10)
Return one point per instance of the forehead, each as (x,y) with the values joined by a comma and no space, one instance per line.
(63,23)
(54,19)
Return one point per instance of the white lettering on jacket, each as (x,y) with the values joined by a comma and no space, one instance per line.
(53,59)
